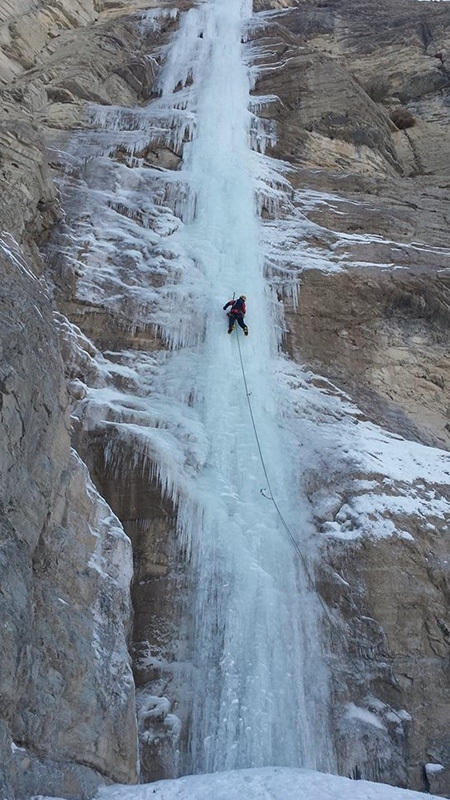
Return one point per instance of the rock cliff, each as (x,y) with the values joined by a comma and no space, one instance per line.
(68,699)
(351,107)
(373,318)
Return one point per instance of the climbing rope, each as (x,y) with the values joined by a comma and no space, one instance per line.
(269,496)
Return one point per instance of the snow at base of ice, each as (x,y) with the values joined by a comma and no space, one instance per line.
(270,783)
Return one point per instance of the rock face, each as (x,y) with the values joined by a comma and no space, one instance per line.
(67,691)
(68,718)
(358,221)
(371,247)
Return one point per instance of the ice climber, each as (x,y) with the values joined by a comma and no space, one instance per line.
(236,313)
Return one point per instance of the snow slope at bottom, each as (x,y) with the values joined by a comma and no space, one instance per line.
(270,783)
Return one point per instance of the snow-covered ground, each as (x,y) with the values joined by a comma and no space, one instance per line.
(271,783)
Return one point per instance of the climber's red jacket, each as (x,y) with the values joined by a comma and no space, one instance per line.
(238,307)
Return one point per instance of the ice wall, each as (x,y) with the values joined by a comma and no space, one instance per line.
(258,688)
(172,246)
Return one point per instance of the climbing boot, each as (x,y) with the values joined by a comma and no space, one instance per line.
(230,330)
(245,331)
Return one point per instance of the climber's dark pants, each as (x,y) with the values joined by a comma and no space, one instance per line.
(232,318)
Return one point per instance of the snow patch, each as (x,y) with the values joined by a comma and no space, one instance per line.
(363,715)
(272,783)
(433,769)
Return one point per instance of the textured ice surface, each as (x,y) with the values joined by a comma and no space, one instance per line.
(251,600)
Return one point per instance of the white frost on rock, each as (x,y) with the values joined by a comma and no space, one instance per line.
(354,712)
(327,432)
(433,769)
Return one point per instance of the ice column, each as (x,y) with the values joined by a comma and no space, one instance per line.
(258,687)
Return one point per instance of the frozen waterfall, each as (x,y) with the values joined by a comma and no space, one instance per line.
(171,246)
(258,690)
